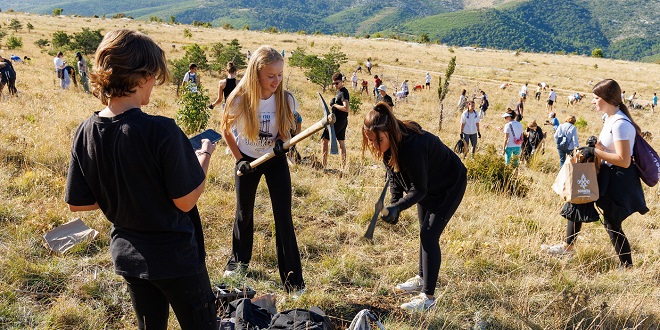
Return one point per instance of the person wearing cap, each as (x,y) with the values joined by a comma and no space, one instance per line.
(532,140)
(513,132)
(82,70)
(569,131)
(552,121)
(382,96)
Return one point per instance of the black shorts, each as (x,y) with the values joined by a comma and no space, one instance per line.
(340,130)
(550,102)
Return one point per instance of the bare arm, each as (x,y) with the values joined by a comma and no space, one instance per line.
(621,157)
(231,143)
(187,202)
(77,208)
(221,88)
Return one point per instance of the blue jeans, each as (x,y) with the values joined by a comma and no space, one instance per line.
(562,156)
(509,152)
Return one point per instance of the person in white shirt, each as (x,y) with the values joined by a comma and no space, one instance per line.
(190,79)
(59,68)
(470,127)
(428,80)
(552,97)
(523,92)
(513,132)
(354,80)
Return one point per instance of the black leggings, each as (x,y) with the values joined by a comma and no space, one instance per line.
(278,180)
(191,299)
(617,237)
(431,226)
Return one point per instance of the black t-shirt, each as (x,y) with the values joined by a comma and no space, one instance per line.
(230,84)
(7,71)
(133,165)
(342,94)
(428,170)
(388,99)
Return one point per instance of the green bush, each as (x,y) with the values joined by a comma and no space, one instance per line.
(354,103)
(489,169)
(14,42)
(581,123)
(193,115)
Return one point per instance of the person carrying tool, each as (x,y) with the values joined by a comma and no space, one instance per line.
(430,174)
(261,113)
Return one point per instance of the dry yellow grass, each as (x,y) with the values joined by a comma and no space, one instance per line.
(491,265)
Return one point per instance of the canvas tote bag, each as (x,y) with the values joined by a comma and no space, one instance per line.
(577,183)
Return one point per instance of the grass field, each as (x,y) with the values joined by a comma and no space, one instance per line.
(492,275)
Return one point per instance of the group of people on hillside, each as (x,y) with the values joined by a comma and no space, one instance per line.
(66,73)
(141,171)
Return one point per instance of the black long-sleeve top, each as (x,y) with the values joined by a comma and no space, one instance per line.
(428,169)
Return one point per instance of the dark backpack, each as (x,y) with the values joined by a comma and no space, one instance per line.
(562,141)
(646,160)
(533,138)
(301,319)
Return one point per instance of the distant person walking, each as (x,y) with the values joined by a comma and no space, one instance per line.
(552,98)
(523,93)
(190,79)
(470,127)
(82,71)
(513,132)
(354,81)
(368,65)
(520,107)
(428,80)
(462,100)
(377,83)
(566,137)
(538,92)
(654,102)
(225,86)
(483,105)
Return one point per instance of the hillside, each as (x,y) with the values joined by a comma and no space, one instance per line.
(492,276)
(623,29)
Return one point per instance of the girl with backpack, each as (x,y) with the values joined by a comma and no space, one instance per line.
(513,132)
(430,174)
(619,186)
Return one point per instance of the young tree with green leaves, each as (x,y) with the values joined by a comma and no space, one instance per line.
(444,88)
(58,11)
(87,40)
(319,69)
(225,53)
(60,39)
(15,25)
(29,26)
(14,42)
(193,115)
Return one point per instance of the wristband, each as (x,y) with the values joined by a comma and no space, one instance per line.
(199,153)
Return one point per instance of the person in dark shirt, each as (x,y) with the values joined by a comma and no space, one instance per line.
(340,109)
(432,177)
(383,96)
(7,76)
(225,86)
(140,170)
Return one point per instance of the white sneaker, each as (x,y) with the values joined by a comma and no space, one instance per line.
(419,303)
(557,250)
(229,273)
(412,284)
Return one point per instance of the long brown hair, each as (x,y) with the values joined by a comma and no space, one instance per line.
(382,119)
(610,91)
(246,97)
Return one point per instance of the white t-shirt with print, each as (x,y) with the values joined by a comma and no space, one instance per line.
(267,127)
(620,130)
(513,129)
(470,120)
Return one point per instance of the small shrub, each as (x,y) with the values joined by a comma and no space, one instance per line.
(354,103)
(451,50)
(14,42)
(187,33)
(193,115)
(489,169)
(581,123)
(595,66)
